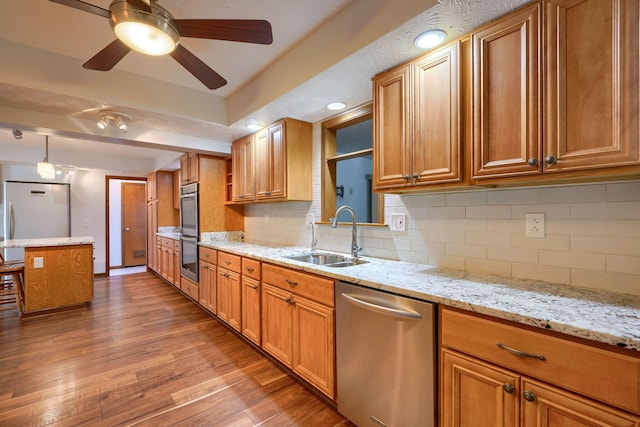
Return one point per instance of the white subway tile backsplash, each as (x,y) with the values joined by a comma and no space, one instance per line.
(592,231)
(573,260)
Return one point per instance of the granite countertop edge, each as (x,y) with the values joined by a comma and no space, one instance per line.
(49,241)
(600,316)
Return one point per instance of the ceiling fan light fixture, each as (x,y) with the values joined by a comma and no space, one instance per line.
(148,33)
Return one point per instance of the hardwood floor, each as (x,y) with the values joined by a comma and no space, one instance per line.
(143,354)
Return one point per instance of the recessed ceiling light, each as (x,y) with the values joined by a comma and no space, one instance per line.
(429,39)
(254,126)
(336,105)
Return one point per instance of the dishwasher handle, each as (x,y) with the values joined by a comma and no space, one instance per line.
(406,314)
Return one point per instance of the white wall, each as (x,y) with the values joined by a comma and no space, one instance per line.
(88,217)
(593,231)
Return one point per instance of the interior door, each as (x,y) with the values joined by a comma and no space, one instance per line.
(134,225)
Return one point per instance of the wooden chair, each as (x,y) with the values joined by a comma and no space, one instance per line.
(11,287)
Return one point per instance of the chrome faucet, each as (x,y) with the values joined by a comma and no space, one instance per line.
(314,241)
(354,231)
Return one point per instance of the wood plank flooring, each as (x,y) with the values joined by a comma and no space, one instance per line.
(142,354)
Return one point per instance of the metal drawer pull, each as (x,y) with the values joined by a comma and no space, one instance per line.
(509,388)
(291,282)
(226,261)
(250,270)
(253,286)
(521,353)
(529,396)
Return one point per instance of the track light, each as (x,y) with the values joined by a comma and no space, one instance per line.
(17,134)
(120,119)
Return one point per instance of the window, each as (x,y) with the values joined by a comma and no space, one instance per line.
(347,142)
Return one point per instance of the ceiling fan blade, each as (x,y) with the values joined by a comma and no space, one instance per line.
(237,30)
(107,57)
(199,69)
(140,5)
(84,6)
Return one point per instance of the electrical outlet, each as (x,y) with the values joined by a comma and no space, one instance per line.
(310,220)
(38,262)
(534,225)
(398,222)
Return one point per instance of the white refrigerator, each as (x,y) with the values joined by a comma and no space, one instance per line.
(35,210)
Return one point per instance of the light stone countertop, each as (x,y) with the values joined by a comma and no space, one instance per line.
(50,241)
(170,235)
(601,316)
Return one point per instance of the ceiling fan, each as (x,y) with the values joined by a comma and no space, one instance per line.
(147,27)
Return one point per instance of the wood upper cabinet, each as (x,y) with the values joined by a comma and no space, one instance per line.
(507,138)
(592,84)
(283,161)
(242,170)
(495,370)
(298,324)
(417,110)
(215,215)
(189,168)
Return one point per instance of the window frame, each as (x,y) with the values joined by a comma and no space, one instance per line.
(330,158)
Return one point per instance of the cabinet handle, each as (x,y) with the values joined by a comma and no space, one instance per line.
(206,255)
(253,286)
(415,176)
(226,261)
(521,353)
(290,301)
(529,396)
(405,177)
(550,160)
(532,161)
(509,388)
(250,270)
(291,282)
(225,275)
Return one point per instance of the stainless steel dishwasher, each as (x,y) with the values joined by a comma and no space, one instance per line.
(385,353)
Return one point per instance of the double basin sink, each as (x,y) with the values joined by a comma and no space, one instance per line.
(328,260)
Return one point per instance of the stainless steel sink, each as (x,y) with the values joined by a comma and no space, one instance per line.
(328,260)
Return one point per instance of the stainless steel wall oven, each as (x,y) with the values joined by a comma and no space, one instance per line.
(189,231)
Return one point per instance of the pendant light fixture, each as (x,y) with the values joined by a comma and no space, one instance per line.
(44,168)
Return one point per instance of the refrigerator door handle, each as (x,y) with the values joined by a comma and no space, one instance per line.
(12,221)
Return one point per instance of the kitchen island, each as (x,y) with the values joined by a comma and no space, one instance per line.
(58,272)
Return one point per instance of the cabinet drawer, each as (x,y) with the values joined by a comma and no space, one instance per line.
(189,288)
(208,255)
(229,261)
(303,284)
(176,245)
(158,240)
(167,242)
(608,376)
(251,268)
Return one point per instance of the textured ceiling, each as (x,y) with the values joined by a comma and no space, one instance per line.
(79,35)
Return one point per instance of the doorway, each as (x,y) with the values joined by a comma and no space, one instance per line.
(126,208)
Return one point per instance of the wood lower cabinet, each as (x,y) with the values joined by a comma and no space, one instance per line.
(152,229)
(190,288)
(208,279)
(168,265)
(498,373)
(65,277)
(298,326)
(250,298)
(228,290)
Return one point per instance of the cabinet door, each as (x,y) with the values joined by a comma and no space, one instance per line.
(152,229)
(194,167)
(222,294)
(176,268)
(592,85)
(208,289)
(392,112)
(506,98)
(475,393)
(262,165)
(314,344)
(278,160)
(228,297)
(242,169)
(152,193)
(277,324)
(251,309)
(184,169)
(436,155)
(546,406)
(235,301)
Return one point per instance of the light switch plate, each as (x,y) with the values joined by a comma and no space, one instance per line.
(398,222)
